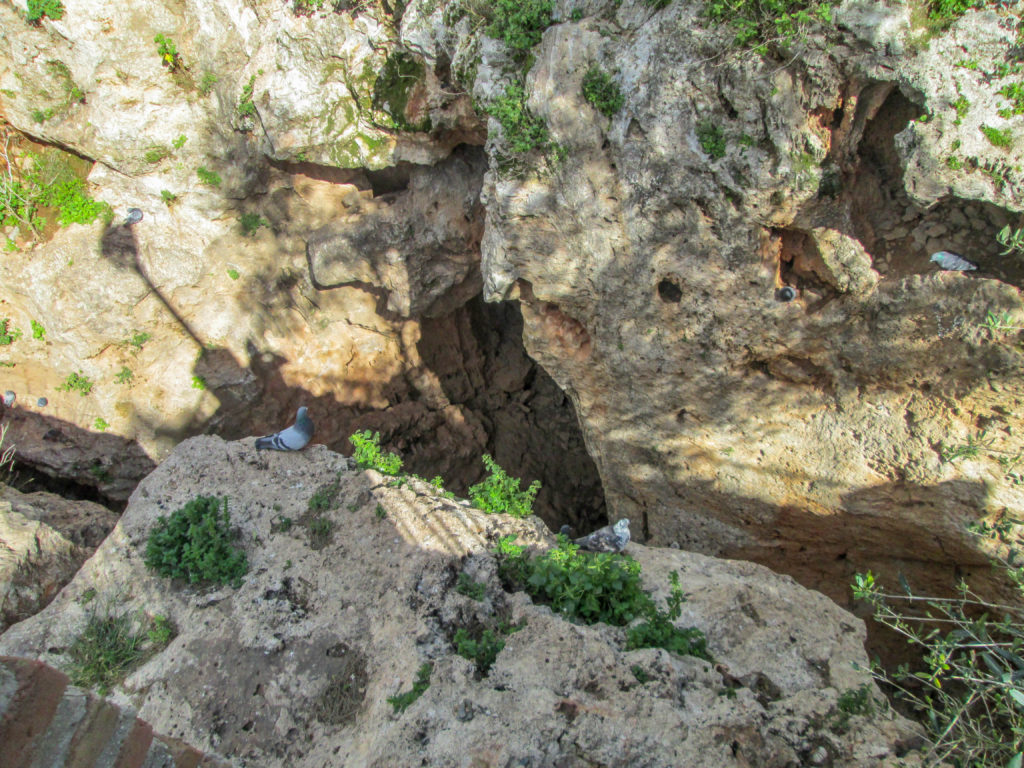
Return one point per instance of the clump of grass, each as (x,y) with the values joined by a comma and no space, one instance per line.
(500,493)
(156,154)
(251,222)
(206,83)
(602,92)
(761,24)
(246,106)
(168,197)
(124,376)
(368,454)
(193,543)
(402,701)
(998,137)
(112,646)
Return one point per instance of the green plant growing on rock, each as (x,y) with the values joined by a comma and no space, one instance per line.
(403,701)
(101,424)
(970,694)
(111,646)
(500,494)
(124,376)
(8,335)
(251,222)
(208,177)
(711,139)
(482,651)
(37,9)
(76,382)
(206,83)
(1011,239)
(520,23)
(763,23)
(233,273)
(168,52)
(998,137)
(602,92)
(168,197)
(246,106)
(193,543)
(179,142)
(600,586)
(961,105)
(470,588)
(368,454)
(523,130)
(198,382)
(38,332)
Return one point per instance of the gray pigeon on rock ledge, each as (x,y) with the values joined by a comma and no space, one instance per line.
(611,538)
(294,438)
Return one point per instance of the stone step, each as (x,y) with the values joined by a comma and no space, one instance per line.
(45,722)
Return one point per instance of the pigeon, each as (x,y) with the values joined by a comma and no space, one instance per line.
(9,398)
(611,538)
(787,293)
(134,217)
(294,438)
(952,262)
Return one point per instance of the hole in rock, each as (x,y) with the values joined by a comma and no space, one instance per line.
(28,479)
(504,404)
(389,180)
(670,291)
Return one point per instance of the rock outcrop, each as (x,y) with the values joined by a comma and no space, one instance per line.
(296,666)
(44,539)
(651,258)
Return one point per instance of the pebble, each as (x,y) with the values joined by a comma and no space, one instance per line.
(42,402)
(9,398)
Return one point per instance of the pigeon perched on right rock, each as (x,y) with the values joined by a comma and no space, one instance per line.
(294,438)
(611,538)
(952,262)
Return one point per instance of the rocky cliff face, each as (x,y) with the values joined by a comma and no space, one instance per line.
(648,262)
(296,666)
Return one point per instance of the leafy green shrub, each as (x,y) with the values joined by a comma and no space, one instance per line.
(961,105)
(483,652)
(760,22)
(74,206)
(110,647)
(38,332)
(1015,93)
(402,701)
(37,9)
(208,177)
(368,454)
(8,335)
(168,52)
(600,586)
(179,142)
(76,382)
(520,23)
(499,493)
(194,544)
(998,137)
(233,273)
(198,382)
(602,92)
(970,694)
(100,424)
(950,10)
(523,130)
(712,139)
(658,631)
(137,341)
(124,376)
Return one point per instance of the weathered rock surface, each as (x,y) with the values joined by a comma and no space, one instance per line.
(251,671)
(44,539)
(808,434)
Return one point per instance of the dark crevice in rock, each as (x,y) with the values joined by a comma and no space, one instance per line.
(389,180)
(527,423)
(28,479)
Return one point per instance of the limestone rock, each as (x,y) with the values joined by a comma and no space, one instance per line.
(44,539)
(296,666)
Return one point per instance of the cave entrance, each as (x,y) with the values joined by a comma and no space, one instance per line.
(899,234)
(515,411)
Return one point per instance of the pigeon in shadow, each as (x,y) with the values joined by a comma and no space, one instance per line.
(952,262)
(294,438)
(611,538)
